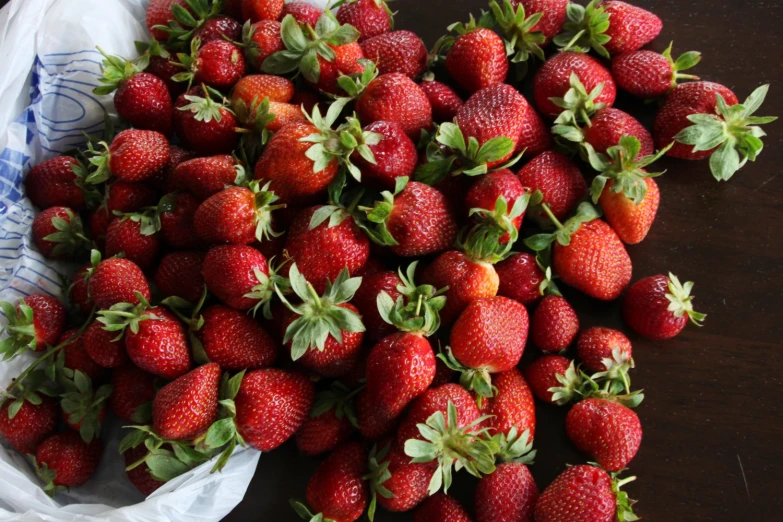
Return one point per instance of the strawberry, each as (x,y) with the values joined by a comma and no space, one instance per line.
(366,301)
(647,74)
(324,334)
(155,340)
(483,198)
(395,156)
(444,101)
(370,17)
(437,400)
(261,40)
(235,341)
(103,347)
(59,234)
(722,129)
(219,28)
(323,241)
(177,215)
(116,280)
(217,63)
(609,126)
(129,197)
(204,177)
(371,425)
(307,98)
(553,379)
(477,59)
(606,430)
(271,405)
(78,292)
(25,425)
(553,80)
(65,460)
(232,272)
(396,52)
(332,421)
(511,406)
(53,183)
(135,155)
(303,12)
(585,494)
(142,98)
(205,125)
(520,278)
(127,236)
(336,490)
(588,255)
(658,307)
(558,179)
(76,357)
(186,407)
(165,67)
(534,138)
(179,274)
(84,407)
(396,483)
(554,325)
(133,391)
(260,86)
(140,476)
(36,322)
(256,10)
(394,97)
(598,343)
(414,221)
(553,15)
(441,508)
(159,12)
(236,215)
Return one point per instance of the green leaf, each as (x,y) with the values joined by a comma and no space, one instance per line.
(166,467)
(724,162)
(292,35)
(495,149)
(220,433)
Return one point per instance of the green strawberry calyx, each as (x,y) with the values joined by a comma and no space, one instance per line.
(570,383)
(47,476)
(253,120)
(27,388)
(190,314)
(377,474)
(305,513)
(453,447)
(355,84)
(117,71)
(681,300)
(417,309)
(320,317)
(20,330)
(684,62)
(82,405)
(733,131)
(377,216)
(620,164)
(585,29)
(71,238)
(166,459)
(514,447)
(187,20)
(477,380)
(338,398)
(268,286)
(624,510)
(585,213)
(122,316)
(305,45)
(483,241)
(617,368)
(612,385)
(516,29)
(189,62)
(578,106)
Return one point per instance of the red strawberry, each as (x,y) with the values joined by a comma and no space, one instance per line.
(66,460)
(557,178)
(179,274)
(441,508)
(596,344)
(520,278)
(35,323)
(322,249)
(102,347)
(140,475)
(554,325)
(630,27)
(482,199)
(553,15)
(437,400)
(166,69)
(395,156)
(234,340)
(584,494)
(609,125)
(336,490)
(76,357)
(370,17)
(303,12)
(659,307)
(477,59)
(346,62)
(553,80)
(256,10)
(176,213)
(78,292)
(125,236)
(647,74)
(159,13)
(236,215)
(204,177)
(271,405)
(606,430)
(511,406)
(30,423)
(396,52)
(260,86)
(135,155)
(396,483)
(444,101)
(218,63)
(631,221)
(394,97)
(534,138)
(132,389)
(219,28)
(371,425)
(508,494)
(232,271)
(129,197)
(186,407)
(116,280)
(204,124)
(262,40)
(322,432)
(552,372)
(366,301)
(52,183)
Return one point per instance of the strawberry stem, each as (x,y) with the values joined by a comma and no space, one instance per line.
(626,480)
(552,217)
(314,295)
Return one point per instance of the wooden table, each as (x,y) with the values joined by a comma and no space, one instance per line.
(712,416)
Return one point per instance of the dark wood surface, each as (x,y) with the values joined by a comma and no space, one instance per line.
(712,417)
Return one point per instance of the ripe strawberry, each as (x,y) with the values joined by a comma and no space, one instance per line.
(371,425)
(25,425)
(511,406)
(34,324)
(534,138)
(129,197)
(609,126)
(558,179)
(78,292)
(323,433)
(177,214)
(322,249)
(553,15)
(584,494)
(482,200)
(260,86)
(103,347)
(631,221)
(218,63)
(606,430)
(396,52)
(437,400)
(395,156)
(336,490)
(135,155)
(231,272)
(66,460)
(444,101)
(303,12)
(520,278)
(159,13)
(165,69)
(596,344)
(76,357)
(262,40)
(52,183)
(366,301)
(396,483)
(552,378)
(235,341)
(394,97)
(205,125)
(509,494)
(659,307)
(140,476)
(117,280)
(477,59)
(256,10)
(203,177)
(647,74)
(186,407)
(126,236)
(553,80)
(441,508)
(219,28)
(554,325)
(271,405)
(370,17)
(132,388)
(179,274)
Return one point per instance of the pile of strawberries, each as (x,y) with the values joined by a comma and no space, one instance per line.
(303,233)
